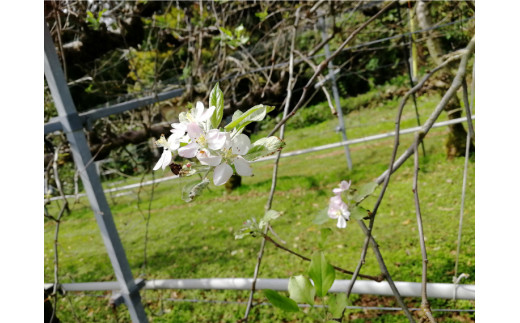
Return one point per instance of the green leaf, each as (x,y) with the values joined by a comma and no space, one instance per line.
(264,147)
(250,228)
(280,301)
(262,15)
(301,290)
(321,273)
(268,217)
(216,99)
(336,304)
(193,189)
(226,31)
(358,213)
(321,217)
(236,115)
(365,191)
(256,113)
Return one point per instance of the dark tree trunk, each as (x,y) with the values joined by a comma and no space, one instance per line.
(456,142)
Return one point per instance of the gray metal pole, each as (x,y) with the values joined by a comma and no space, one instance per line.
(335,92)
(83,159)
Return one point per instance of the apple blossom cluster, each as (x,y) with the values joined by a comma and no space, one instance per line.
(338,209)
(224,150)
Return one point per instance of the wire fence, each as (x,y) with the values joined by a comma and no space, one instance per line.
(75,122)
(283,155)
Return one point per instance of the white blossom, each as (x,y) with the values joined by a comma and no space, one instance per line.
(233,151)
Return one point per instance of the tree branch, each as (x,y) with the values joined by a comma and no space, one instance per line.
(348,272)
(425,305)
(455,85)
(323,64)
(290,85)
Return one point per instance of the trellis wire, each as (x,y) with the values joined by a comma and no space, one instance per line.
(283,155)
(220,302)
(372,308)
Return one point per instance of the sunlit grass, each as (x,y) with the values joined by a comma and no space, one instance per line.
(196,240)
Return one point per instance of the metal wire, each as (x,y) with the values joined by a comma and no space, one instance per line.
(368,308)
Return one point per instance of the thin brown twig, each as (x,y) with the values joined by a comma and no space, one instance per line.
(65,207)
(465,175)
(467,108)
(60,44)
(56,263)
(321,79)
(386,273)
(146,218)
(273,53)
(425,305)
(323,64)
(290,86)
(348,272)
(455,85)
(387,174)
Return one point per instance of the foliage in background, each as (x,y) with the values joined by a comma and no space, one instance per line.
(115,51)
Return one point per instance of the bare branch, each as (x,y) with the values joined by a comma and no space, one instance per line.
(425,305)
(290,85)
(386,273)
(455,85)
(457,82)
(323,64)
(348,272)
(321,80)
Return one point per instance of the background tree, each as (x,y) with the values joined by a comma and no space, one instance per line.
(113,51)
(438,53)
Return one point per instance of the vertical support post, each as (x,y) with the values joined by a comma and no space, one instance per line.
(82,157)
(335,92)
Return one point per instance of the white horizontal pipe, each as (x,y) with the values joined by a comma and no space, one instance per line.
(364,139)
(406,289)
(289,154)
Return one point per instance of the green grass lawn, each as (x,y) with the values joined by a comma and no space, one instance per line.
(196,240)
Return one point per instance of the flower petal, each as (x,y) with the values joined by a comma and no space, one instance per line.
(206,115)
(332,213)
(173,142)
(342,224)
(344,211)
(183,117)
(242,166)
(343,186)
(189,151)
(199,109)
(206,158)
(222,174)
(241,144)
(165,160)
(179,129)
(216,139)
(194,130)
